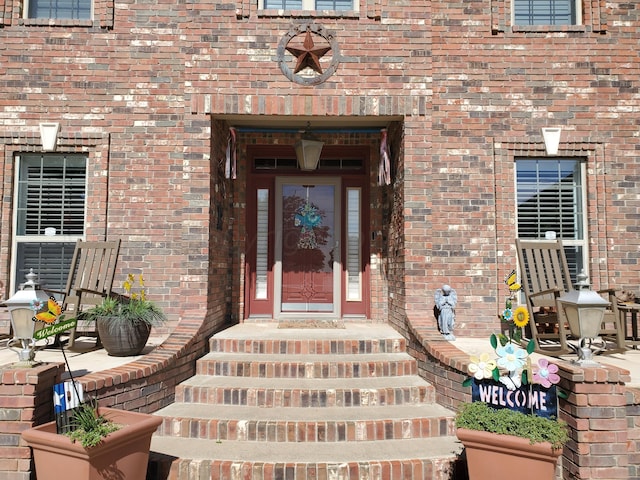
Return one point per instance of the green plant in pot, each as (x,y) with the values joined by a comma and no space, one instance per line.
(90,428)
(481,417)
(124,322)
(511,428)
(105,443)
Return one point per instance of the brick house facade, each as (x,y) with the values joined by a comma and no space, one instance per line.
(148,93)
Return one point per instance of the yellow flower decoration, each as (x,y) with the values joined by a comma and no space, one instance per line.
(521,316)
(128,287)
(482,366)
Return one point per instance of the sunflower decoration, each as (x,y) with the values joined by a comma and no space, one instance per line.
(510,365)
(515,319)
(521,317)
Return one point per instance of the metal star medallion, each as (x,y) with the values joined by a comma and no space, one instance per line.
(312,64)
(308,56)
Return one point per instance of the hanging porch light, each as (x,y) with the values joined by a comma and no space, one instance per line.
(308,150)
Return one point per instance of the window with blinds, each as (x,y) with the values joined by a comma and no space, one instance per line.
(50,215)
(262,244)
(59,9)
(354,240)
(544,12)
(550,198)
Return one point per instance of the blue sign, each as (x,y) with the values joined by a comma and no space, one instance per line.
(530,399)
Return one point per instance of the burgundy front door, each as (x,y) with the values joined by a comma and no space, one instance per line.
(309,251)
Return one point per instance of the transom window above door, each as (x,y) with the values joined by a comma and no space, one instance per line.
(284,164)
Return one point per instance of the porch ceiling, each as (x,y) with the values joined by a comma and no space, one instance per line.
(301,122)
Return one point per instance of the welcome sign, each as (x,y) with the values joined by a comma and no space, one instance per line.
(530,399)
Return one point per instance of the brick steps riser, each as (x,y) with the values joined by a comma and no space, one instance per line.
(257,403)
(273,398)
(307,347)
(223,470)
(300,431)
(285,369)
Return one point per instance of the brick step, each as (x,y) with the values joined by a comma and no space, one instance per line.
(305,404)
(413,459)
(324,424)
(268,339)
(307,366)
(305,392)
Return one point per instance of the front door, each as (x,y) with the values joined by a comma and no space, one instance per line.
(307,248)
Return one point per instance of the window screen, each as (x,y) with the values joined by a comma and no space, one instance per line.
(333,5)
(60,9)
(309,4)
(283,4)
(544,12)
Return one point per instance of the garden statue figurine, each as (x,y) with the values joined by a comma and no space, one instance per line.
(445,310)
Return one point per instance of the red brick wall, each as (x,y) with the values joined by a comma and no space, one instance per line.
(633,435)
(467,88)
(464,91)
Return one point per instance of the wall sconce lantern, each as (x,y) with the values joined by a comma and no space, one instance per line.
(584,309)
(21,312)
(49,136)
(551,136)
(308,150)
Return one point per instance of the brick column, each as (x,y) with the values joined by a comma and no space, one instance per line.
(596,414)
(633,420)
(26,399)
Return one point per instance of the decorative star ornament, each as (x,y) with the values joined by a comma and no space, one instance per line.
(299,43)
(308,56)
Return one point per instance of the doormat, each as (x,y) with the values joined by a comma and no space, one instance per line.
(311,324)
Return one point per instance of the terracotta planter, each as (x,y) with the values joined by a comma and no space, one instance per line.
(504,457)
(123,454)
(124,341)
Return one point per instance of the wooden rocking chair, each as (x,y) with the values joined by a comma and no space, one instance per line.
(545,278)
(90,280)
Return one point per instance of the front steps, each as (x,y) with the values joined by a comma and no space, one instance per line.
(305,404)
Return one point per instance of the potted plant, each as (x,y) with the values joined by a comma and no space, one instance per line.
(499,442)
(103,443)
(511,428)
(124,322)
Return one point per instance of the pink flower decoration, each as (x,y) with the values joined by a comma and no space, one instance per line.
(545,373)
